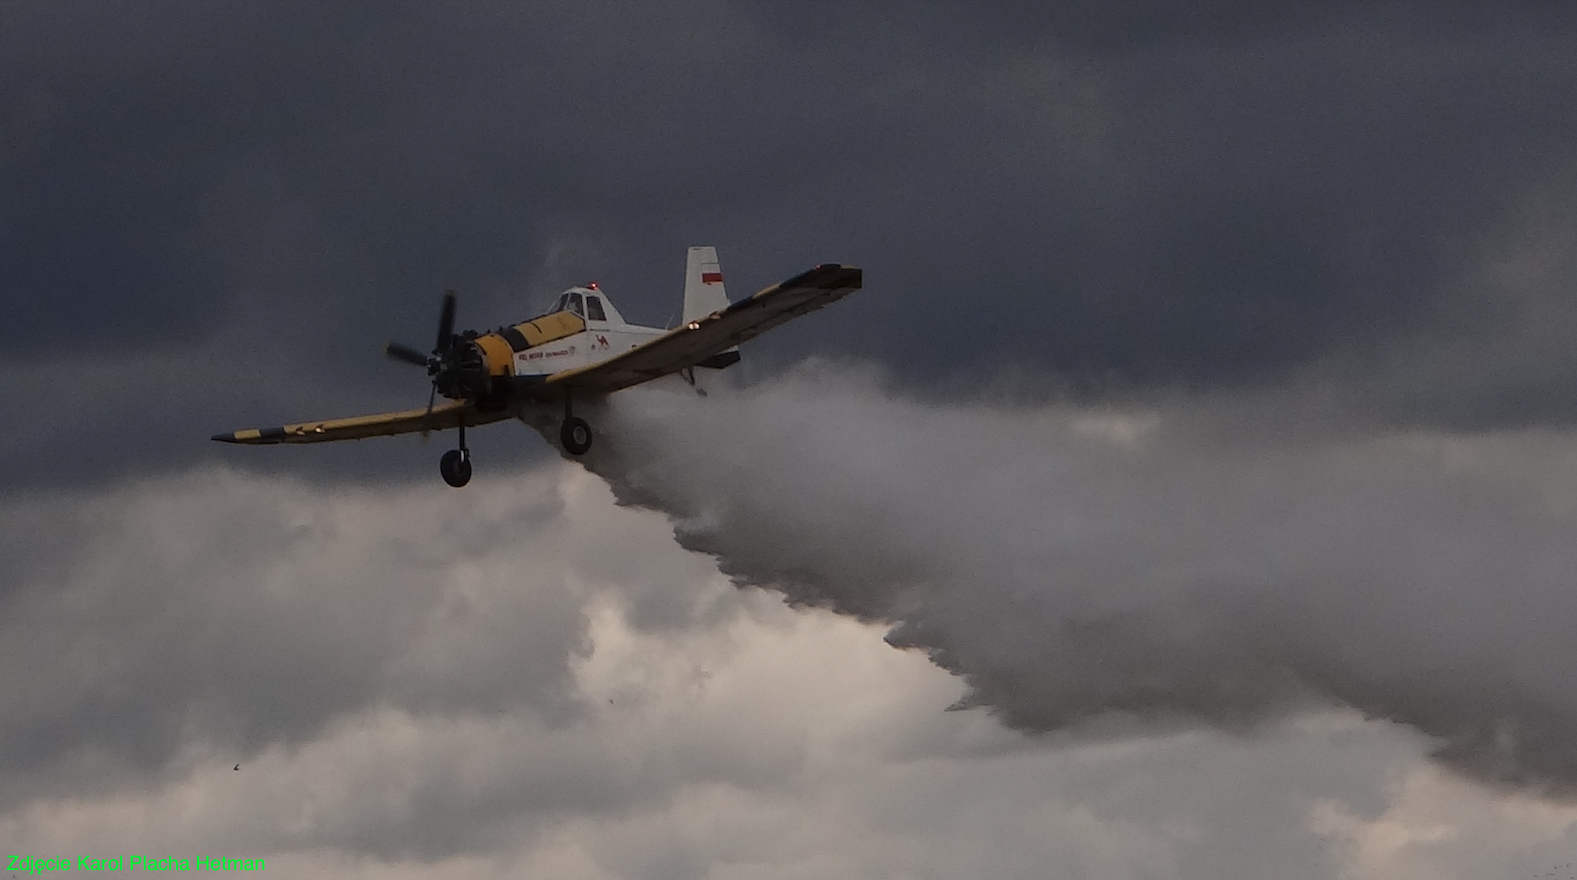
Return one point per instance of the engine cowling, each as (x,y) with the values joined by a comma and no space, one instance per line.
(462,372)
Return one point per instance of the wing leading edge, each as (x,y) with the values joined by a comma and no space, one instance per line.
(443,416)
(689,345)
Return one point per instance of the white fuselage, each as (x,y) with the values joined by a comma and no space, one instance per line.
(606,335)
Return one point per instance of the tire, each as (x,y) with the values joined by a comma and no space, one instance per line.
(575,434)
(455,467)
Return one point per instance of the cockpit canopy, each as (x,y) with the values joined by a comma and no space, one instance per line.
(589,303)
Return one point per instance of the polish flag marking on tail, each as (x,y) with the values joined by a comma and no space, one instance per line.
(703,284)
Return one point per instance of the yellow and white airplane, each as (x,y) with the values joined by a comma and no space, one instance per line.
(581,348)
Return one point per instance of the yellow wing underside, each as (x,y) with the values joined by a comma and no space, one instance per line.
(444,415)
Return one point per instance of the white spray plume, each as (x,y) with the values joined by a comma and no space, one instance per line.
(1079,568)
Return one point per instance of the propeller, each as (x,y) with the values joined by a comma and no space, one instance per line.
(445,364)
(405,353)
(446,340)
(445,323)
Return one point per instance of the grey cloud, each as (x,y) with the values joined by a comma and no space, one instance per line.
(230,614)
(400,671)
(1074,566)
(518,674)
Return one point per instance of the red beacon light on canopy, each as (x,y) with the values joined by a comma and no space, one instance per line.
(592,286)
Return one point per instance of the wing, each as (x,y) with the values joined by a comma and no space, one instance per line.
(445,415)
(725,328)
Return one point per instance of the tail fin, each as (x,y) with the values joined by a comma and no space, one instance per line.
(703,284)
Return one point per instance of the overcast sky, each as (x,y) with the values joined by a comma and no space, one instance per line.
(1189,495)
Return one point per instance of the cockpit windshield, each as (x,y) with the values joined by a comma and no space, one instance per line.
(571,302)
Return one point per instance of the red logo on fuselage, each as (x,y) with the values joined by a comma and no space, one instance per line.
(711,277)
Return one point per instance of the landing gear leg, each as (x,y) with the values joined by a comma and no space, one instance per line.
(688,374)
(456,463)
(575,434)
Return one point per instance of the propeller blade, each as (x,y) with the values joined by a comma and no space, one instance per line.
(445,322)
(405,353)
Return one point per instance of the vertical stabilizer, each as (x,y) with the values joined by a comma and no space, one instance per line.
(703,284)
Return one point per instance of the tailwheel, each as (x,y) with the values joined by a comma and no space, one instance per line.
(576,435)
(456,467)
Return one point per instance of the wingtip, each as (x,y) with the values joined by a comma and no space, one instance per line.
(226,437)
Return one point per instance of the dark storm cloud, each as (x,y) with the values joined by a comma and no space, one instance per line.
(1120,199)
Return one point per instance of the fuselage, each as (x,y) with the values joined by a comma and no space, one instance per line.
(605,334)
(581,329)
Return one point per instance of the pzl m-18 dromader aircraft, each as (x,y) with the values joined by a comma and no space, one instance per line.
(581,348)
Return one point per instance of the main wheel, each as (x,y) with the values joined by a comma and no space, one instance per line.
(576,435)
(456,467)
